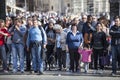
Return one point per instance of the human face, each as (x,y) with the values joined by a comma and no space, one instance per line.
(84,18)
(99,27)
(30,22)
(2,24)
(51,25)
(117,22)
(35,23)
(74,28)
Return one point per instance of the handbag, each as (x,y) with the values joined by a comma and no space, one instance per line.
(105,60)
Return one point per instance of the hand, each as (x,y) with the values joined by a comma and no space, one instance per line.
(44,46)
(89,24)
(28,49)
(17,28)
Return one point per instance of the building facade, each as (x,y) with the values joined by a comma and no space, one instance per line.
(114,8)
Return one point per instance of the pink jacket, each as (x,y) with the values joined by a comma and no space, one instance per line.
(86,55)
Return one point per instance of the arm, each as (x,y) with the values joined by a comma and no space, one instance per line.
(21,32)
(44,38)
(82,40)
(114,33)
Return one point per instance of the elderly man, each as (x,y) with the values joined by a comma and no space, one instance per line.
(35,41)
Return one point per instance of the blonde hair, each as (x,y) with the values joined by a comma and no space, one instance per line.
(2,21)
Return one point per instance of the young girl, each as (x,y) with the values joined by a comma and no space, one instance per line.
(86,56)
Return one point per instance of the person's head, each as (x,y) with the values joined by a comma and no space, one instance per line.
(29,21)
(35,23)
(86,46)
(89,18)
(99,27)
(94,18)
(51,25)
(18,22)
(57,28)
(74,27)
(117,21)
(8,21)
(84,18)
(2,23)
(75,21)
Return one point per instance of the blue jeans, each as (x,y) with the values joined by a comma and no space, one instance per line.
(18,52)
(115,57)
(9,54)
(37,62)
(3,56)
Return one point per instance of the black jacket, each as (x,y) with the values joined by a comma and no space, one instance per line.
(99,40)
(115,34)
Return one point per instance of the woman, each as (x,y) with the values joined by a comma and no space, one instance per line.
(99,46)
(3,33)
(50,32)
(74,41)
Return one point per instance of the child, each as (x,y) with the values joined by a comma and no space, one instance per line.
(86,56)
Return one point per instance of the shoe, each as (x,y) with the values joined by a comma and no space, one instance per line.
(100,71)
(14,71)
(113,74)
(40,73)
(22,71)
(95,71)
(33,72)
(85,72)
(5,71)
(64,69)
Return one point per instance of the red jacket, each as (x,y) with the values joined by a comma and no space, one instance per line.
(2,37)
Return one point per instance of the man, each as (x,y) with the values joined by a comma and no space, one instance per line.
(81,23)
(18,45)
(115,44)
(28,53)
(35,40)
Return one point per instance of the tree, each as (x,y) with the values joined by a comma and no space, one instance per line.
(2,9)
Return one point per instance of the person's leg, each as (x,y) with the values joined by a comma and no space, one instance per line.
(20,49)
(59,52)
(33,53)
(77,58)
(114,59)
(118,51)
(4,57)
(101,62)
(71,52)
(95,55)
(14,53)
(39,59)
(64,59)
(86,66)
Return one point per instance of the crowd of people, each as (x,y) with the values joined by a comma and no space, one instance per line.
(27,42)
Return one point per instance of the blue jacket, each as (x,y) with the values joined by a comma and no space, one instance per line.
(19,35)
(35,34)
(74,42)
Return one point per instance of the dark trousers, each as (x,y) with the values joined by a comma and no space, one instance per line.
(115,57)
(50,50)
(97,53)
(28,59)
(74,59)
(61,55)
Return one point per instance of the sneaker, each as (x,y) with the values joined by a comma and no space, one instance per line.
(100,71)
(113,74)
(22,71)
(85,72)
(64,69)
(14,71)
(5,71)
(95,71)
(40,73)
